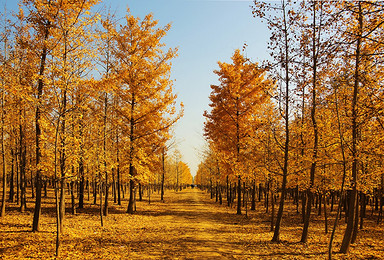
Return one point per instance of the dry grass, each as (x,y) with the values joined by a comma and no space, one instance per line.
(187,226)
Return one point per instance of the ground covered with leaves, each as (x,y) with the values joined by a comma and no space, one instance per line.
(188,225)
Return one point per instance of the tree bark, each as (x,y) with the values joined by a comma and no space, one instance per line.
(40,86)
(253,203)
(355,128)
(238,195)
(131,202)
(276,235)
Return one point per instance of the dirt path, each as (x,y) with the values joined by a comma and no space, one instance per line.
(189,225)
(193,227)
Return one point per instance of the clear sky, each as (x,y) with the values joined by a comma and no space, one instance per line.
(205,31)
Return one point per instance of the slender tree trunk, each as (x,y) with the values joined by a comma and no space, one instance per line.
(17,180)
(352,203)
(220,195)
(22,164)
(238,195)
(105,211)
(140,192)
(228,192)
(94,185)
(132,169)
(325,215)
(33,185)
(276,235)
(338,214)
(40,86)
(303,204)
(304,235)
(58,230)
(253,204)
(81,167)
(217,192)
(356,224)
(114,186)
(131,202)
(73,202)
(272,210)
(118,170)
(230,195)
(105,153)
(162,174)
(62,159)
(12,177)
(4,198)
(101,200)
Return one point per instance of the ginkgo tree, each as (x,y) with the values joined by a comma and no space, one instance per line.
(243,88)
(147,107)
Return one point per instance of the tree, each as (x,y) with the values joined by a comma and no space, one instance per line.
(363,47)
(41,16)
(317,48)
(5,60)
(234,102)
(147,104)
(281,21)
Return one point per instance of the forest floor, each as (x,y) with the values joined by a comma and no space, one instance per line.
(188,225)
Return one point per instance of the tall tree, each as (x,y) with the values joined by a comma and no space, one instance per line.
(146,101)
(41,16)
(242,89)
(281,18)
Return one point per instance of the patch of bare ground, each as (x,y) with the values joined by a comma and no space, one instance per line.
(187,226)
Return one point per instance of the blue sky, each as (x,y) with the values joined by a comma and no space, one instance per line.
(205,32)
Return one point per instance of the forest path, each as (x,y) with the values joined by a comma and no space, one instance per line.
(200,228)
(188,225)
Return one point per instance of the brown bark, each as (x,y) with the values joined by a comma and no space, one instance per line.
(355,128)
(40,86)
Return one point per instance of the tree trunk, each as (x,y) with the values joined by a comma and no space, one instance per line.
(73,202)
(105,210)
(253,203)
(114,186)
(17,180)
(162,174)
(12,177)
(58,230)
(81,167)
(276,235)
(81,190)
(131,202)
(230,195)
(40,86)
(62,203)
(273,210)
(325,215)
(356,224)
(101,201)
(303,204)
(22,164)
(228,192)
(140,192)
(217,192)
(220,195)
(352,204)
(238,195)
(304,235)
